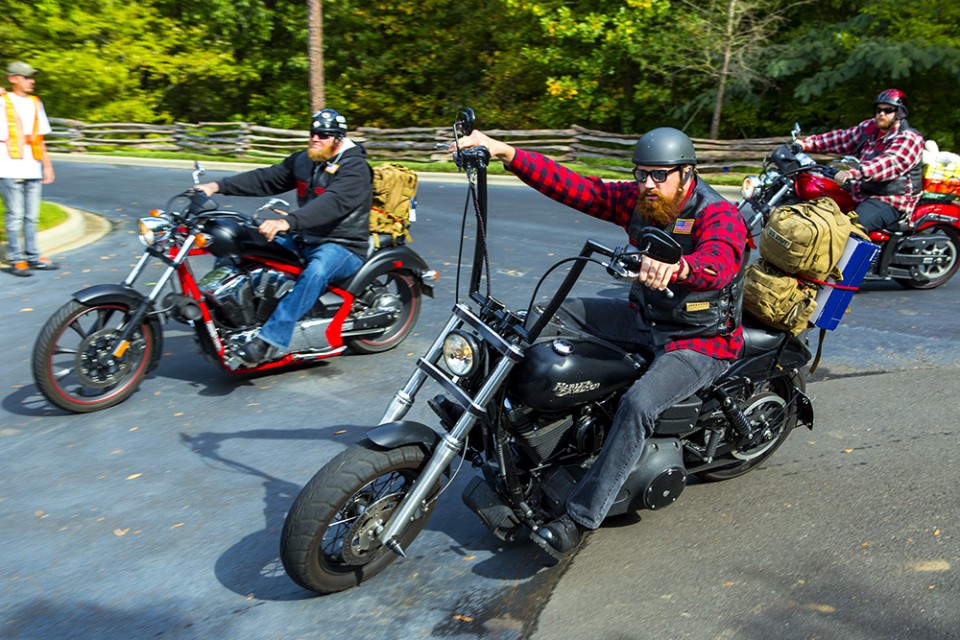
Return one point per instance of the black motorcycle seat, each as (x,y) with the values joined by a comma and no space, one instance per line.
(758,338)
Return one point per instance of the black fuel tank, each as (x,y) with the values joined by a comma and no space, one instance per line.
(231,238)
(563,373)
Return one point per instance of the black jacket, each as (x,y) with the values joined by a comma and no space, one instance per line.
(334,197)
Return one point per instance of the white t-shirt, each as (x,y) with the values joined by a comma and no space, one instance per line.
(27,166)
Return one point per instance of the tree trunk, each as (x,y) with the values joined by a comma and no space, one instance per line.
(724,70)
(315,53)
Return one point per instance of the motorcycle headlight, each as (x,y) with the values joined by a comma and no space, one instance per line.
(153,230)
(749,187)
(461,356)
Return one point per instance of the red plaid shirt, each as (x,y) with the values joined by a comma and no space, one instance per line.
(719,234)
(897,152)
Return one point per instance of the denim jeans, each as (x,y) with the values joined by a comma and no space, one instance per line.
(326,263)
(672,376)
(22,199)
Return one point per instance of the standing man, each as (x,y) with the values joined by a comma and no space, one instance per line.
(694,335)
(334,185)
(24,167)
(888,182)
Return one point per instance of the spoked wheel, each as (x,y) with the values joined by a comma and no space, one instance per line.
(330,536)
(944,264)
(73,363)
(771,414)
(396,293)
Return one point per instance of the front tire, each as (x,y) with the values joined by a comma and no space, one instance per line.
(945,251)
(396,291)
(72,362)
(329,538)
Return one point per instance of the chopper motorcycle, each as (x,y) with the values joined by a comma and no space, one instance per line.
(529,407)
(920,252)
(95,350)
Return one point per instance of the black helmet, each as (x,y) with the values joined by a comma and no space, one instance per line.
(329,122)
(664,146)
(896,98)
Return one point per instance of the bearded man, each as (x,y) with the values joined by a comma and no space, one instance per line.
(334,185)
(692,336)
(889,179)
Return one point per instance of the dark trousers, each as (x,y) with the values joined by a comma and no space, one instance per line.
(876,214)
(672,376)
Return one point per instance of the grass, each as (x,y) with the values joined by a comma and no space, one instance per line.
(50,216)
(733,177)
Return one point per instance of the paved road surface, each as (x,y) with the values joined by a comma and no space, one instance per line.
(160,517)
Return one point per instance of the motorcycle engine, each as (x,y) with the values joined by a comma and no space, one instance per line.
(543,436)
(243,296)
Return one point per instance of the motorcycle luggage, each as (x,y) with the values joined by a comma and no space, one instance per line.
(778,299)
(806,238)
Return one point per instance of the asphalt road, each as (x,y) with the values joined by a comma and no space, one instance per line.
(160,517)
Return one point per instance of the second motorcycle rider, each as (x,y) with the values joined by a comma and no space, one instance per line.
(334,185)
(692,328)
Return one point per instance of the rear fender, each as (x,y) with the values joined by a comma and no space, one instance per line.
(129,297)
(397,258)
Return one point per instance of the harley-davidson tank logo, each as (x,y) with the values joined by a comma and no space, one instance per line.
(564,389)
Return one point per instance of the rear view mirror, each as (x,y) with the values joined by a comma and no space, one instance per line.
(659,245)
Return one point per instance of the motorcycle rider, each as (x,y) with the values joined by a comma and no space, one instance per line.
(693,336)
(888,181)
(334,185)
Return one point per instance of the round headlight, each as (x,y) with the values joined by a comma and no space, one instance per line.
(153,230)
(749,187)
(460,353)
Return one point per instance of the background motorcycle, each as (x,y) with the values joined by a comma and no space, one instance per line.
(531,406)
(919,253)
(96,349)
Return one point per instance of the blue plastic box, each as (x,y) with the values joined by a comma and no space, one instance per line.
(832,303)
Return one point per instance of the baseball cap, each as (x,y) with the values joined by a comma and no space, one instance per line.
(20,69)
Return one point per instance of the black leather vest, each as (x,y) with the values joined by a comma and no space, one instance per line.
(899,185)
(689,313)
(351,231)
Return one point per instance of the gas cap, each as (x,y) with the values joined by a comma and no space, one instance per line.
(562,347)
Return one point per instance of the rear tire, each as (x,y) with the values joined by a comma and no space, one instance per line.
(328,542)
(72,365)
(946,249)
(394,289)
(771,410)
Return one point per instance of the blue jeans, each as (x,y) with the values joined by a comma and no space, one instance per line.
(672,376)
(326,263)
(22,199)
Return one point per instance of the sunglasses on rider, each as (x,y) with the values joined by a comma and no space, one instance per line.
(323,135)
(886,110)
(658,175)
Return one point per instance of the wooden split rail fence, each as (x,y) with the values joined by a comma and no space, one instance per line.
(414,144)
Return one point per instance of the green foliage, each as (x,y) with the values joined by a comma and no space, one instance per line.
(616,65)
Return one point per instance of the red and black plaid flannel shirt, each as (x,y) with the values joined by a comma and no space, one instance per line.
(897,151)
(719,234)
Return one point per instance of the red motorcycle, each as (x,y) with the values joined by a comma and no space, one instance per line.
(920,252)
(96,349)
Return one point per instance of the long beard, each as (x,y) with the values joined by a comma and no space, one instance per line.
(317,155)
(662,211)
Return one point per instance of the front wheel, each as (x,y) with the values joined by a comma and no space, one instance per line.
(73,364)
(943,252)
(329,539)
(395,294)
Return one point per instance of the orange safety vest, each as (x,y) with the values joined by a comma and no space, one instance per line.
(14,127)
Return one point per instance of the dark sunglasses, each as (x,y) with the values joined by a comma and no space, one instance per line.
(658,175)
(320,134)
(886,110)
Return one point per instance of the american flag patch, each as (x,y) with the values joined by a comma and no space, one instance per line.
(683,226)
